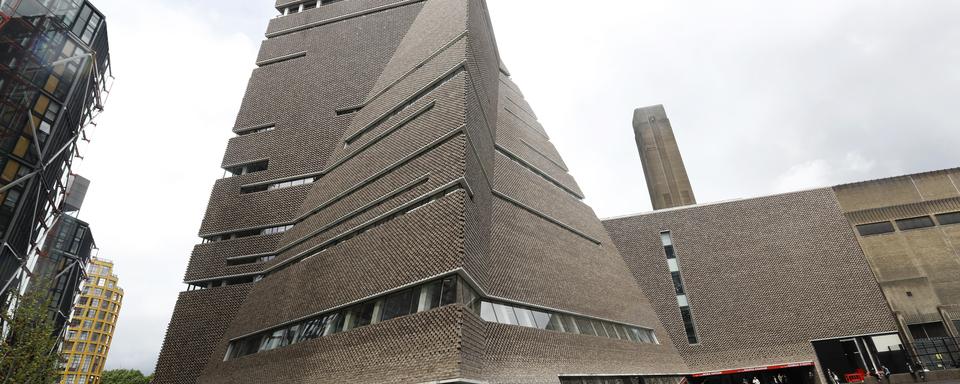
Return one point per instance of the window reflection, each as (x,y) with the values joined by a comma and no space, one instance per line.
(527,317)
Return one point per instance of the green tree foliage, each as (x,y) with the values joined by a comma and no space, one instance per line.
(124,376)
(30,354)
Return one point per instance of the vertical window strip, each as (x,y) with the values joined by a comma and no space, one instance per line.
(683,301)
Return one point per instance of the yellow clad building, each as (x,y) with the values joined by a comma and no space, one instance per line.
(91,329)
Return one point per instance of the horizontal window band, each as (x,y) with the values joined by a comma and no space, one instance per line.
(282,180)
(245,162)
(423,200)
(517,159)
(373,178)
(544,155)
(412,70)
(243,130)
(419,94)
(256,228)
(459,272)
(545,217)
(281,59)
(348,16)
(252,256)
(351,303)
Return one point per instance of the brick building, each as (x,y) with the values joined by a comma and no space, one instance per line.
(392,211)
(768,286)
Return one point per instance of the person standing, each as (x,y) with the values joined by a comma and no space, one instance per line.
(756,380)
(833,377)
(886,373)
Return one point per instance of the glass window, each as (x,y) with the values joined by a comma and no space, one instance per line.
(598,327)
(505,314)
(293,333)
(449,291)
(671,254)
(875,228)
(621,331)
(915,223)
(611,330)
(569,325)
(554,324)
(666,238)
(525,317)
(585,326)
(949,218)
(429,296)
(541,318)
(361,315)
(677,283)
(334,324)
(273,341)
(688,325)
(487,313)
(398,304)
(673,265)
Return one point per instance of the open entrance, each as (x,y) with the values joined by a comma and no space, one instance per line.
(799,373)
(852,359)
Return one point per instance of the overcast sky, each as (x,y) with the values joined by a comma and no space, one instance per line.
(764,96)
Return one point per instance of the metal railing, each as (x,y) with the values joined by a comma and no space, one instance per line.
(937,353)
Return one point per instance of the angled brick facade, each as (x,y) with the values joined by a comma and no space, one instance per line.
(764,277)
(415,158)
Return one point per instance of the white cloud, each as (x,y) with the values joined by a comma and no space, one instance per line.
(155,155)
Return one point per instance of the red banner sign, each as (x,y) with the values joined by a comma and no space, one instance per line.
(755,369)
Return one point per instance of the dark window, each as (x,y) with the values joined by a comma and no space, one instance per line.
(553,324)
(670,253)
(875,228)
(334,324)
(688,325)
(430,296)
(915,223)
(399,304)
(598,327)
(449,293)
(677,283)
(313,328)
(244,169)
(585,326)
(362,315)
(949,218)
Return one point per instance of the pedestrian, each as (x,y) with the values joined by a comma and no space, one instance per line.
(913,371)
(886,373)
(833,377)
(756,380)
